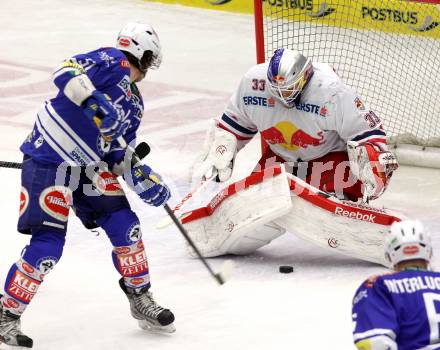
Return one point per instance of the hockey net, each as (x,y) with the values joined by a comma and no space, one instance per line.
(387,50)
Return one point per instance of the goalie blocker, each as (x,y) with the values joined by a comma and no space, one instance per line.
(250,213)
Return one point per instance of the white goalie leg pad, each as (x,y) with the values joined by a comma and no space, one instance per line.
(254,239)
(238,220)
(356,230)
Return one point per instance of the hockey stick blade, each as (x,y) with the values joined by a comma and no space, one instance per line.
(225,272)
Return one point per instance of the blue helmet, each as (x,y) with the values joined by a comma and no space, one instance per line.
(287,74)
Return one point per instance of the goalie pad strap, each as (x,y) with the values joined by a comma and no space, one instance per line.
(238,220)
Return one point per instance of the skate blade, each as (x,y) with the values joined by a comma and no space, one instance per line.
(148,326)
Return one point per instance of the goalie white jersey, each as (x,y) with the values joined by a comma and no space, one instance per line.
(328,115)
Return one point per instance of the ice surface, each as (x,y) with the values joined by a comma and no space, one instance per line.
(80,306)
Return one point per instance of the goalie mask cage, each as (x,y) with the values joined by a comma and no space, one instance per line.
(387,50)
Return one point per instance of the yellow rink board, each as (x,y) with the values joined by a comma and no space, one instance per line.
(240,6)
(394,16)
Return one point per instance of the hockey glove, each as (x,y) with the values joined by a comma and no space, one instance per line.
(152,190)
(107,117)
(372,166)
(219,153)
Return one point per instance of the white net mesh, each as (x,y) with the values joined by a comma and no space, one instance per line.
(389,51)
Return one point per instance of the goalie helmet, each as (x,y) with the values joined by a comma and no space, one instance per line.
(407,240)
(287,74)
(141,45)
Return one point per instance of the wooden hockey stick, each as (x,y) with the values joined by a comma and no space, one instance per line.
(227,266)
(166,221)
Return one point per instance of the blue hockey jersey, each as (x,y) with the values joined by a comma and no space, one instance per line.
(62,133)
(403,306)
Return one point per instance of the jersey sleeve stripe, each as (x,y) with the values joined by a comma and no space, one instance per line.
(69,131)
(68,66)
(374,332)
(237,127)
(64,70)
(366,135)
(52,143)
(378,142)
(239,137)
(66,140)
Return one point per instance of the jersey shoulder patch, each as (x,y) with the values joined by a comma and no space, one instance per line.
(113,66)
(112,59)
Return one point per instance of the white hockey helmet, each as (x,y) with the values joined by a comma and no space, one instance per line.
(141,45)
(407,240)
(287,74)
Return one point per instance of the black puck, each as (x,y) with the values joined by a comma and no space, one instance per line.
(286,269)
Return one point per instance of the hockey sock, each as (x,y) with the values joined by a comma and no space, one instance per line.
(129,257)
(26,275)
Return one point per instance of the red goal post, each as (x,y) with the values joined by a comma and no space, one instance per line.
(387,50)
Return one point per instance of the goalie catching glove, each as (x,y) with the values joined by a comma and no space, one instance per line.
(218,155)
(372,166)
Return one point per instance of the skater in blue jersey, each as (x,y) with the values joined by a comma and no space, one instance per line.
(72,159)
(400,310)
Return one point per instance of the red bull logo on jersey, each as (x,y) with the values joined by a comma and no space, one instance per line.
(288,136)
(259,101)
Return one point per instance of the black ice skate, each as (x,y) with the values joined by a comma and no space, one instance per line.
(10,330)
(149,314)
